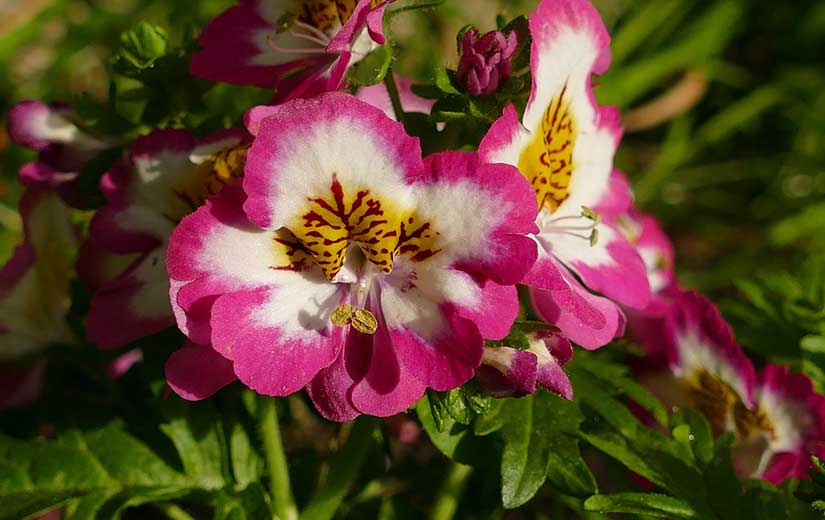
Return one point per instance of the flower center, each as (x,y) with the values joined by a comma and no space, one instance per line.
(333,222)
(327,15)
(208,179)
(752,422)
(547,162)
(714,398)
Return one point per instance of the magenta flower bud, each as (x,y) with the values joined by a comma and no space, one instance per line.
(485,61)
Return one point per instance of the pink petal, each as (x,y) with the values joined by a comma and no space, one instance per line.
(197,372)
(589,320)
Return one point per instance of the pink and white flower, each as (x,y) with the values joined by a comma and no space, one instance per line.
(63,146)
(510,372)
(167,175)
(777,417)
(776,440)
(34,295)
(564,145)
(713,374)
(348,265)
(300,48)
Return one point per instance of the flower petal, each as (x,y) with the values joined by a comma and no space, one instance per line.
(278,340)
(437,345)
(699,338)
(559,299)
(552,351)
(133,305)
(387,387)
(300,148)
(36,125)
(493,243)
(21,386)
(237,47)
(508,372)
(610,266)
(34,283)
(618,198)
(197,372)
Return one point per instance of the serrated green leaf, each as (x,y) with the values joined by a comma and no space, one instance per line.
(40,474)
(456,440)
(462,404)
(537,439)
(651,504)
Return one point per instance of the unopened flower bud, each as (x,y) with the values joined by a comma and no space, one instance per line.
(485,61)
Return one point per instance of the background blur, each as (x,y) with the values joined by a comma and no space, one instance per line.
(723,102)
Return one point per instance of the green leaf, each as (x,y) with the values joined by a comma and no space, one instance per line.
(415,6)
(38,475)
(803,227)
(142,46)
(652,504)
(455,440)
(616,379)
(698,434)
(537,433)
(247,465)
(250,503)
(462,404)
(199,442)
(446,82)
(492,421)
(371,69)
(343,470)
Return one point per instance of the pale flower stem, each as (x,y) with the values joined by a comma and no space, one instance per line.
(449,496)
(395,99)
(279,486)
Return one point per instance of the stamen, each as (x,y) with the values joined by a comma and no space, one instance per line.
(590,214)
(309,38)
(311,28)
(364,322)
(291,50)
(361,320)
(342,315)
(286,21)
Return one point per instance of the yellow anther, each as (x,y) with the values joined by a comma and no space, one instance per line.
(361,320)
(342,316)
(364,321)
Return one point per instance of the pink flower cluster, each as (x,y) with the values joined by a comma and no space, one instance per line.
(318,248)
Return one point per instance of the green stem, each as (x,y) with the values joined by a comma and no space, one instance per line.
(343,470)
(279,487)
(446,503)
(395,98)
(173,511)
